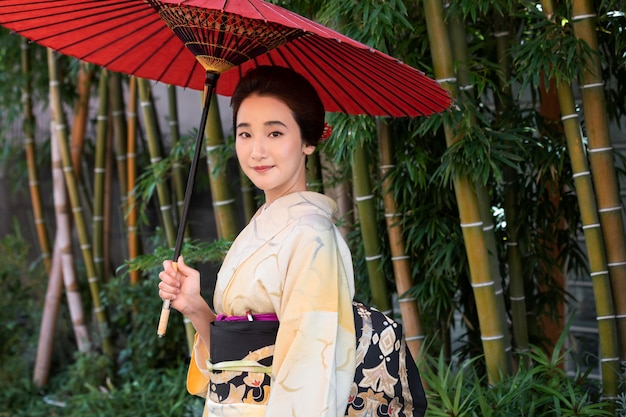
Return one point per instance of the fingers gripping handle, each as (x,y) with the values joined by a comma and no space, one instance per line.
(165,312)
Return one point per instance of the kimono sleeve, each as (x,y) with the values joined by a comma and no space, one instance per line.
(198,375)
(314,356)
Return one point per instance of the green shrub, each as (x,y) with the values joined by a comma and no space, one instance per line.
(541,389)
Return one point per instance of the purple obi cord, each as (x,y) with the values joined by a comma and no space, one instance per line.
(249,317)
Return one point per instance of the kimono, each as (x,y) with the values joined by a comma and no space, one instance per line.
(289,260)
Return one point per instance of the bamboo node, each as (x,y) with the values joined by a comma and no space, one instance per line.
(591,85)
(418,337)
(490,338)
(581,174)
(482,284)
(609,209)
(475,224)
(373,258)
(223,202)
(605,149)
(591,226)
(583,17)
(446,80)
(211,148)
(364,198)
(609,317)
(569,116)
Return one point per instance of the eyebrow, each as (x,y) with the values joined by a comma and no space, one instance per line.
(268,123)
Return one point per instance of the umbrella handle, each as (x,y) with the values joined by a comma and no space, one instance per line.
(210,81)
(165,311)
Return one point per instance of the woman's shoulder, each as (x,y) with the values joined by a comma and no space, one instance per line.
(310,209)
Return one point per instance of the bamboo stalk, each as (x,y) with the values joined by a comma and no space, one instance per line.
(250,205)
(81,114)
(461,55)
(492,335)
(120,133)
(63,243)
(223,202)
(131,166)
(605,311)
(340,192)
(108,182)
(163,191)
(314,173)
(365,201)
(31,161)
(600,152)
(517,296)
(99,174)
(49,320)
(177,169)
(155,150)
(60,129)
(409,310)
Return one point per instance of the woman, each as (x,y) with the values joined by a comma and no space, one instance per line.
(289,261)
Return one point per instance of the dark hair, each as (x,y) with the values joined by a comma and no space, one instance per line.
(290,87)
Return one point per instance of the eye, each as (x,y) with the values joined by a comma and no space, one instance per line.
(275,134)
(243,135)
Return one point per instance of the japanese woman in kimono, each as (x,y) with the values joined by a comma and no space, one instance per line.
(289,264)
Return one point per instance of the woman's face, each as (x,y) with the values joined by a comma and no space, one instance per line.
(269,146)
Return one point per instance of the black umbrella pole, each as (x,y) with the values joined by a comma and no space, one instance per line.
(211,79)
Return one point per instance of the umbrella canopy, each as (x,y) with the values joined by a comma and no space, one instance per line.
(183,40)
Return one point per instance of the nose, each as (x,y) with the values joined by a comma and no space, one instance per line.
(258,148)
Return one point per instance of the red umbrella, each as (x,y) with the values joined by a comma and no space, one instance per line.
(129,37)
(192,43)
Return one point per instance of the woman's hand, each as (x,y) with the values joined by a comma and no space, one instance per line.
(180,284)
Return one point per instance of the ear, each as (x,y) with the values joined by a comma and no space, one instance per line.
(308,149)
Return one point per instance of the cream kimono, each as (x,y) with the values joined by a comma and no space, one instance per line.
(290,260)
